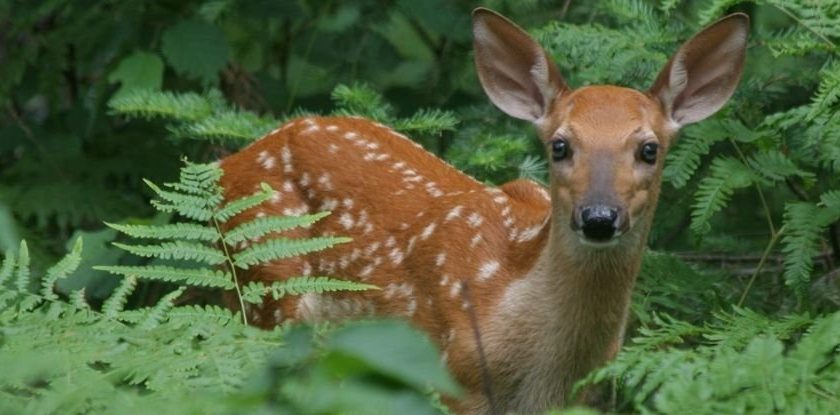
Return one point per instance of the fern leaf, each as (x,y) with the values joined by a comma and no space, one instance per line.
(23,271)
(8,267)
(831,201)
(428,121)
(237,206)
(197,277)
(116,302)
(229,126)
(828,92)
(190,206)
(775,166)
(177,250)
(283,248)
(157,313)
(804,224)
(61,269)
(157,104)
(254,291)
(77,299)
(260,227)
(360,99)
(714,191)
(187,231)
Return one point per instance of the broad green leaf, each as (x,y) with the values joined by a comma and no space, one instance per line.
(141,70)
(196,49)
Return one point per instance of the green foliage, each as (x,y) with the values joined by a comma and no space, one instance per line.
(740,362)
(94,97)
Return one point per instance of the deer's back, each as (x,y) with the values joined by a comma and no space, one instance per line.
(421,229)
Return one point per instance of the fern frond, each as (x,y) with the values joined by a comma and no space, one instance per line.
(149,104)
(188,276)
(190,206)
(234,207)
(116,302)
(714,191)
(254,291)
(187,231)
(804,224)
(61,269)
(828,92)
(831,201)
(775,166)
(8,267)
(23,271)
(361,100)
(177,250)
(260,227)
(283,248)
(428,121)
(157,313)
(77,299)
(233,126)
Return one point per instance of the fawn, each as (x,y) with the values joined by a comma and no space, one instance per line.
(549,271)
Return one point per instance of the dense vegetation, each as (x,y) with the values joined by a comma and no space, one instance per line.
(737,305)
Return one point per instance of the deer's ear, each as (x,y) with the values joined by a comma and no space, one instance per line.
(703,74)
(514,70)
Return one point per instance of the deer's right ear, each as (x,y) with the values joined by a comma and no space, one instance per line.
(514,70)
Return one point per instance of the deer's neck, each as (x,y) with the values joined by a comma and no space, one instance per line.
(565,317)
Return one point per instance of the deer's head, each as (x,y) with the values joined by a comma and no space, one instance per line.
(606,144)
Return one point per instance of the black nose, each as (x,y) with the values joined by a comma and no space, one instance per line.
(599,222)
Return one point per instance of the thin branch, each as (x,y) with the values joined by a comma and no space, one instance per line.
(764,257)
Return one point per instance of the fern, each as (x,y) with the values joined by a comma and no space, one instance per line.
(199,277)
(61,269)
(282,248)
(260,227)
(254,292)
(715,190)
(804,224)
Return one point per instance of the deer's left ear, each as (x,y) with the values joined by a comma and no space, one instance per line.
(703,74)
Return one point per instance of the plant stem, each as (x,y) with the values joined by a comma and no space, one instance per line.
(773,240)
(229,260)
(758,189)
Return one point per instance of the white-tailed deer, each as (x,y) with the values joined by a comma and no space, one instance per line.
(549,271)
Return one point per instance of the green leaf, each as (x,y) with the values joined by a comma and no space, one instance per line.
(260,227)
(283,248)
(191,251)
(254,291)
(237,206)
(61,269)
(140,70)
(196,49)
(397,350)
(189,276)
(187,231)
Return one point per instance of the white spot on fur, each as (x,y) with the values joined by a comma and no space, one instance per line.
(286,157)
(476,239)
(332,128)
(404,226)
(529,234)
(427,231)
(390,242)
(346,220)
(402,289)
(454,213)
(311,129)
(488,270)
(396,256)
(276,197)
(332,148)
(411,307)
(456,288)
(305,180)
(328,204)
(475,220)
(440,259)
(266,160)
(287,186)
(366,271)
(348,203)
(351,136)
(306,268)
(372,248)
(325,182)
(444,279)
(260,214)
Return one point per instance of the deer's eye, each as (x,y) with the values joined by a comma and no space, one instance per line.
(560,149)
(648,152)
